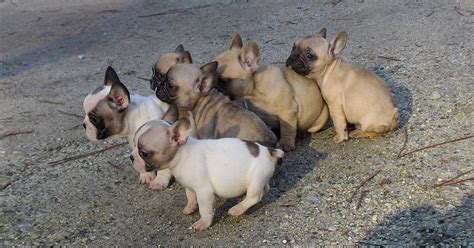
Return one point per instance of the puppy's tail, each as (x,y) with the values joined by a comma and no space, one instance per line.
(395,118)
(276,154)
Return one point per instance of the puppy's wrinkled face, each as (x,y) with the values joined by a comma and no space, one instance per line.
(105,108)
(158,142)
(237,64)
(165,61)
(309,54)
(184,84)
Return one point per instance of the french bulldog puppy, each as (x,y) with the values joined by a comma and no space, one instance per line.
(294,100)
(112,113)
(214,116)
(226,167)
(160,68)
(353,94)
(165,61)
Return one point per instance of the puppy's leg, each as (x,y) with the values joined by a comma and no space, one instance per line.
(288,130)
(205,203)
(161,180)
(340,123)
(192,202)
(358,133)
(257,186)
(147,177)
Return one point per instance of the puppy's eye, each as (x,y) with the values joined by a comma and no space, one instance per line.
(143,153)
(309,56)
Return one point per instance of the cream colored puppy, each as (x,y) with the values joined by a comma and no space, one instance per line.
(354,94)
(226,167)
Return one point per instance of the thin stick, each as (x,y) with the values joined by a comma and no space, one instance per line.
(459,10)
(404,143)
(86,154)
(362,184)
(71,114)
(460,181)
(447,182)
(437,144)
(51,102)
(13,133)
(174,11)
(389,58)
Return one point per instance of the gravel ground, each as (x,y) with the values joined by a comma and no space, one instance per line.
(52,53)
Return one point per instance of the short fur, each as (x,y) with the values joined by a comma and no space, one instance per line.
(112,113)
(222,167)
(214,116)
(294,100)
(353,94)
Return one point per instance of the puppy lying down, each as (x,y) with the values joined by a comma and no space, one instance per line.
(226,167)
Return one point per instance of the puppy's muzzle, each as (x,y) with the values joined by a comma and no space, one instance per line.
(163,91)
(297,64)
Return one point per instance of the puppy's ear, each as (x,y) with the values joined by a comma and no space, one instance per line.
(322,33)
(111,76)
(119,97)
(338,44)
(179,49)
(250,56)
(236,41)
(208,78)
(180,131)
(185,58)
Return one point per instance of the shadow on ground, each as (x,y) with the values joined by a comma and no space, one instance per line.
(426,226)
(296,165)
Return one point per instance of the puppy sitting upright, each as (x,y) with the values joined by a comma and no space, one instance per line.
(191,88)
(293,99)
(224,167)
(353,94)
(112,113)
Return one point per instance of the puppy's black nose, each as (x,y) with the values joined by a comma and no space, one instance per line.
(132,158)
(84,125)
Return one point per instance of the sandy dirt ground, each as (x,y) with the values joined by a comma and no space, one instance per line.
(54,52)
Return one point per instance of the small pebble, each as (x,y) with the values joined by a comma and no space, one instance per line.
(80,56)
(435,95)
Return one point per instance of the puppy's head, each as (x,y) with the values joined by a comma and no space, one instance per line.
(105,108)
(310,55)
(165,61)
(157,144)
(184,84)
(238,64)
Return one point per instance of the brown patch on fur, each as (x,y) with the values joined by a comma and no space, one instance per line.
(253,148)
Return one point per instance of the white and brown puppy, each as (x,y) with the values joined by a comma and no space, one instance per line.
(354,95)
(224,167)
(293,99)
(191,88)
(111,113)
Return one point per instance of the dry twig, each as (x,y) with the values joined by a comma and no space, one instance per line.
(437,144)
(71,114)
(464,12)
(404,142)
(363,184)
(452,180)
(175,11)
(389,58)
(52,102)
(86,154)
(13,133)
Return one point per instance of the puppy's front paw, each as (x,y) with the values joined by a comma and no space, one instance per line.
(287,147)
(147,177)
(236,210)
(202,224)
(159,182)
(339,138)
